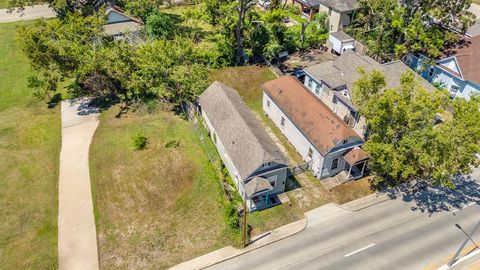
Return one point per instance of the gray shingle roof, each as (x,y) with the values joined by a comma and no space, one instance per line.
(342,72)
(341,5)
(241,133)
(474,30)
(342,36)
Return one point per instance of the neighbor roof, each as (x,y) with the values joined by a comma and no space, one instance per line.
(117,9)
(322,127)
(342,36)
(341,5)
(467,53)
(309,3)
(474,30)
(113,29)
(343,72)
(244,138)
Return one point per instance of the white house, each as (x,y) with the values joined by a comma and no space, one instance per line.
(118,23)
(253,160)
(316,132)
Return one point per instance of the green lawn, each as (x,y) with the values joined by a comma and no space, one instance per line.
(157,207)
(29,152)
(4,3)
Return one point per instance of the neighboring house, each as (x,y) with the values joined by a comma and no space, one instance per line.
(473,30)
(321,138)
(332,82)
(118,23)
(255,163)
(340,12)
(458,70)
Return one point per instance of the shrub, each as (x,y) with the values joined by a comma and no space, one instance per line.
(159,25)
(139,142)
(172,144)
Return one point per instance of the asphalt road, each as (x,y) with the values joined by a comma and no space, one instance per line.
(389,235)
(29,13)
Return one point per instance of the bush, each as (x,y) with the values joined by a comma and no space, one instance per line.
(159,25)
(139,142)
(172,144)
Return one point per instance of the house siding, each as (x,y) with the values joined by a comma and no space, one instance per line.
(321,165)
(114,17)
(440,75)
(278,171)
(339,108)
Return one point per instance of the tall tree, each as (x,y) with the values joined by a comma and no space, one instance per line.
(243,6)
(392,28)
(404,142)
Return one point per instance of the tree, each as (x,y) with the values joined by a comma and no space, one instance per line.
(391,28)
(243,6)
(159,25)
(403,141)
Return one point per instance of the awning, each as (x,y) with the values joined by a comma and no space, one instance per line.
(356,155)
(257,185)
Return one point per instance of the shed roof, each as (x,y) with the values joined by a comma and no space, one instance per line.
(467,53)
(355,155)
(309,3)
(322,127)
(342,36)
(247,143)
(257,185)
(341,5)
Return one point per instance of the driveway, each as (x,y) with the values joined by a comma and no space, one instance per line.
(29,13)
(77,238)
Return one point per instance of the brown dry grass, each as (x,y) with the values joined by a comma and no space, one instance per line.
(247,81)
(157,207)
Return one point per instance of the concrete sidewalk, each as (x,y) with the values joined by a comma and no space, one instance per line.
(28,13)
(77,238)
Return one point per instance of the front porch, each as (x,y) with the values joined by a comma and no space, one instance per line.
(262,202)
(356,161)
(308,8)
(259,194)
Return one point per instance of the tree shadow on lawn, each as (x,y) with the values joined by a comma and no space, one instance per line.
(432,199)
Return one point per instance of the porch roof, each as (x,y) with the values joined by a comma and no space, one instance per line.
(257,185)
(355,156)
(309,3)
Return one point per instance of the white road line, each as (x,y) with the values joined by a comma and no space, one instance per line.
(359,250)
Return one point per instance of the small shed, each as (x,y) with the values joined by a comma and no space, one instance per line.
(341,42)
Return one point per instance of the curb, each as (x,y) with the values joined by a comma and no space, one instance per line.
(247,249)
(380,199)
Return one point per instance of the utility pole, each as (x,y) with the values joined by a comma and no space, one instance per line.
(244,224)
(469,238)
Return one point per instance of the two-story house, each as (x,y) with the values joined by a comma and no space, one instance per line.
(340,12)
(332,82)
(255,163)
(321,138)
(458,70)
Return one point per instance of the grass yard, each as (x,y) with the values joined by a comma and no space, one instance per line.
(29,154)
(156,207)
(247,81)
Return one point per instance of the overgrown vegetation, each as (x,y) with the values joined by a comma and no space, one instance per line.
(405,142)
(29,153)
(390,29)
(160,206)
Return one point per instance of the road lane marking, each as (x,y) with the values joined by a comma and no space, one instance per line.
(359,250)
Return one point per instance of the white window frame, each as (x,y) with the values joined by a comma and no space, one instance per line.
(431,72)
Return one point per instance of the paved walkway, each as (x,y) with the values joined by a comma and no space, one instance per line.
(77,238)
(29,13)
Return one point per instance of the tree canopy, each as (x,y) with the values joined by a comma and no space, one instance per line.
(391,28)
(405,140)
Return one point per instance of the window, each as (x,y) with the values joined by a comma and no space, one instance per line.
(334,100)
(272,179)
(310,153)
(214,138)
(282,122)
(317,89)
(431,72)
(334,164)
(266,165)
(345,141)
(310,82)
(268,103)
(329,11)
(453,90)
